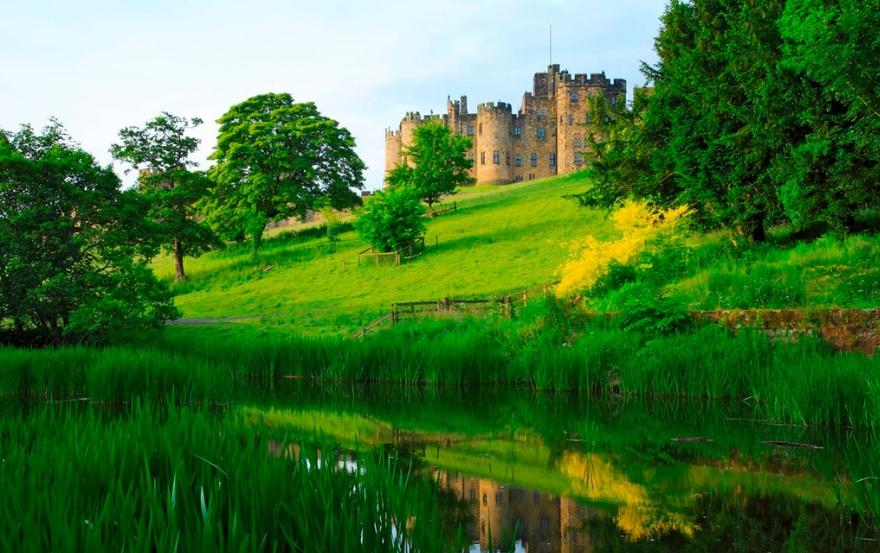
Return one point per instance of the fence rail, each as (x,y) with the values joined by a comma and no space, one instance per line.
(412,309)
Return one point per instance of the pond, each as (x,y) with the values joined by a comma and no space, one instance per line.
(569,473)
(502,468)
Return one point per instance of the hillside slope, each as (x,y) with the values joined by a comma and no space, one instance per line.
(501,239)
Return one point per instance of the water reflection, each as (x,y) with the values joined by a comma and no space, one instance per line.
(541,521)
(560,473)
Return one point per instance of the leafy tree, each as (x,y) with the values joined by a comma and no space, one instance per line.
(275,159)
(834,168)
(392,219)
(161,150)
(74,247)
(436,163)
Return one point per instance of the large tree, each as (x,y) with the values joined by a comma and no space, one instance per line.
(833,170)
(74,247)
(161,151)
(275,159)
(435,163)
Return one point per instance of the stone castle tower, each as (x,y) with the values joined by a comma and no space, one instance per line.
(545,138)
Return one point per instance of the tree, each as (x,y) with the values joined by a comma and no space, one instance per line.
(392,219)
(74,247)
(161,151)
(275,158)
(833,169)
(439,163)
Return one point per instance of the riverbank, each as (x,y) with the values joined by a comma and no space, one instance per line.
(802,382)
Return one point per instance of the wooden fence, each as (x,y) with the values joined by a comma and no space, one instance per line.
(395,257)
(507,305)
(446,208)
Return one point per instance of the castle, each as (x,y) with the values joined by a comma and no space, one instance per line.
(546,137)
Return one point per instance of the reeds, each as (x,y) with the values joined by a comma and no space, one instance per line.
(177,479)
(804,382)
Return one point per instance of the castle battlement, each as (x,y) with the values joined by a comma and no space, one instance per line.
(548,136)
(494,106)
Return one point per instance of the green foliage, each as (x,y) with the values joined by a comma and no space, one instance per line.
(434,164)
(180,479)
(275,159)
(161,150)
(392,219)
(759,114)
(73,245)
(647,309)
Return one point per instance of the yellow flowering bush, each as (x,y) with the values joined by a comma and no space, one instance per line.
(639,226)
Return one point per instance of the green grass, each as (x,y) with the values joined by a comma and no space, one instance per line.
(501,239)
(805,382)
(168,479)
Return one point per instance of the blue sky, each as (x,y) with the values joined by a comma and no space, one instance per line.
(101,65)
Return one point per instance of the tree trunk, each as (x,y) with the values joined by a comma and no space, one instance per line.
(754,228)
(178,261)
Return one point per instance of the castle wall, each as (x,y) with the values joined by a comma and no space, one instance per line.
(494,128)
(392,150)
(546,137)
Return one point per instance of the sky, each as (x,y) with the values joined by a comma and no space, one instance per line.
(101,65)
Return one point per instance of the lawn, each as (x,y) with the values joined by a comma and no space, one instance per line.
(500,240)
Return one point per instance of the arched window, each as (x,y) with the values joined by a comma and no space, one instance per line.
(517,160)
(540,132)
(574,96)
(577,142)
(552,160)
(470,130)
(517,131)
(481,128)
(482,158)
(534,159)
(571,119)
(496,158)
(578,159)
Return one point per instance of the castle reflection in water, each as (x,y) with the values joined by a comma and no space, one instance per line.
(545,522)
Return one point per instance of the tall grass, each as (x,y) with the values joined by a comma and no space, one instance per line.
(803,382)
(183,480)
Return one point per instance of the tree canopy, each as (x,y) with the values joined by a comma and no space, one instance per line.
(161,150)
(435,163)
(392,219)
(275,159)
(74,247)
(760,113)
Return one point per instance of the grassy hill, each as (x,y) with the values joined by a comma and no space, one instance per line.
(501,239)
(508,238)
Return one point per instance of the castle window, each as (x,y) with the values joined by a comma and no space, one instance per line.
(552,160)
(614,100)
(496,158)
(541,112)
(507,159)
(517,131)
(578,159)
(577,142)
(540,132)
(574,96)
(470,130)
(517,160)
(534,159)
(571,119)
(481,128)
(482,158)
(471,158)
